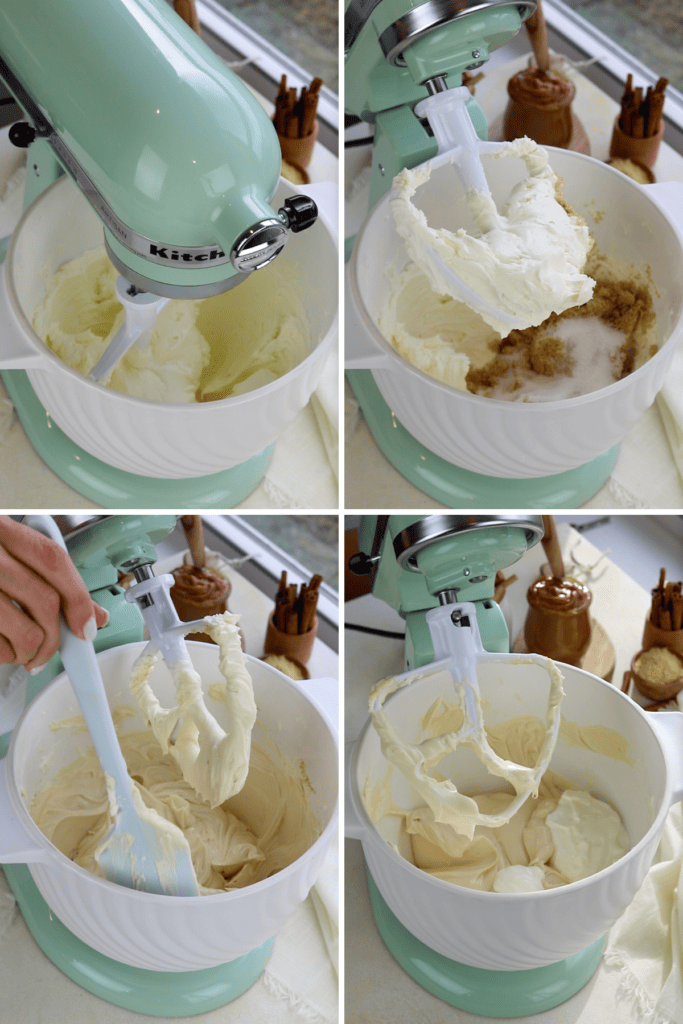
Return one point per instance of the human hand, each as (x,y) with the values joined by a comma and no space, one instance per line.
(37,581)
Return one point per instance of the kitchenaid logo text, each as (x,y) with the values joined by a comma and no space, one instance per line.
(164,253)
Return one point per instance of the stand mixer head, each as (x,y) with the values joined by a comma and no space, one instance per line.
(419,563)
(169,147)
(398,54)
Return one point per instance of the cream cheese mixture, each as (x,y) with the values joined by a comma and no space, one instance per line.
(200,350)
(526,261)
(579,351)
(260,830)
(214,763)
(244,812)
(559,836)
(447,725)
(579,321)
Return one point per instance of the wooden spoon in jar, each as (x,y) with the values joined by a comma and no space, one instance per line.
(538,35)
(188,12)
(551,546)
(195,539)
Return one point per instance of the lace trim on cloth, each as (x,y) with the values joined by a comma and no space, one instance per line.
(623,497)
(294,1001)
(279,498)
(7,417)
(632,990)
(8,906)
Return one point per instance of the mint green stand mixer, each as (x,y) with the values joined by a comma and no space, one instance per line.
(397,54)
(99,549)
(179,161)
(417,564)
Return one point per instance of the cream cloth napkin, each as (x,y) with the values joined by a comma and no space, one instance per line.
(299,978)
(325,897)
(670,405)
(646,943)
(646,474)
(303,471)
(325,404)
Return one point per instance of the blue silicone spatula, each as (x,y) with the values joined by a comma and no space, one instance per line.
(142,850)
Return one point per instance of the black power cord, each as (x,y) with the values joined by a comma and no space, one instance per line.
(375,632)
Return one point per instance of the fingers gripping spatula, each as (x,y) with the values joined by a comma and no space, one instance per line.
(142,850)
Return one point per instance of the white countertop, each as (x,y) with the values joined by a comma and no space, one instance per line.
(371,481)
(377,989)
(32,989)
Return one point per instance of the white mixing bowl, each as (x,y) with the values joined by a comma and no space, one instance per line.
(511,932)
(164,933)
(641,224)
(158,439)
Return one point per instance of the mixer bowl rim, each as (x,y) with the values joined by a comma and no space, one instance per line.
(63,862)
(233,401)
(374,836)
(516,408)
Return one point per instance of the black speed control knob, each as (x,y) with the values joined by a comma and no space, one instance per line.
(22,134)
(362,564)
(299,212)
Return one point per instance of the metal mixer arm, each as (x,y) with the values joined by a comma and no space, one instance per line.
(152,595)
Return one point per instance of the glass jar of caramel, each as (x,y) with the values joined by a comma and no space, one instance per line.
(558,621)
(540,107)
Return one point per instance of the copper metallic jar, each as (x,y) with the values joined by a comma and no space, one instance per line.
(539,107)
(197,593)
(558,620)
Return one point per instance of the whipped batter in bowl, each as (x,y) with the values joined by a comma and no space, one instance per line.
(200,350)
(607,748)
(167,933)
(631,225)
(238,843)
(162,437)
(245,813)
(557,837)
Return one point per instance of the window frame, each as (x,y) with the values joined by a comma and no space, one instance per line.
(233,41)
(576,38)
(232,536)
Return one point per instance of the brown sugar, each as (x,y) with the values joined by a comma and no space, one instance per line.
(623,304)
(548,355)
(659,665)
